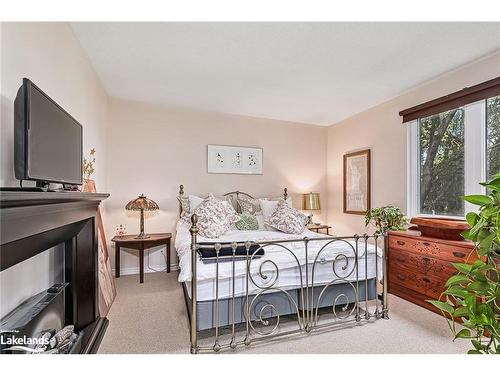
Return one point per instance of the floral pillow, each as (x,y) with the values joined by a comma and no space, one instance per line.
(287,219)
(191,202)
(247,222)
(215,217)
(185,209)
(250,205)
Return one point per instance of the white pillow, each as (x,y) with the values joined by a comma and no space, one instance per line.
(260,221)
(194,201)
(267,207)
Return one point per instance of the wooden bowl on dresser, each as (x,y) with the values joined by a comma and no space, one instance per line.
(447,229)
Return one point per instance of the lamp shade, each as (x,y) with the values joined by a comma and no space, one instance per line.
(311,202)
(142,203)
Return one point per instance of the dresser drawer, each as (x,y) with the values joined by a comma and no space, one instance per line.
(421,263)
(430,248)
(423,284)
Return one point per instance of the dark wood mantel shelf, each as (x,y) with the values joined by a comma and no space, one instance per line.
(29,198)
(25,214)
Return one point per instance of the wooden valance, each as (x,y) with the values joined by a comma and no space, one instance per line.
(457,99)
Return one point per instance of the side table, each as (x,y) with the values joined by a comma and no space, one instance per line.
(317,227)
(141,244)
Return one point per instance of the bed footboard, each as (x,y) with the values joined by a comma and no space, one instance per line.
(356,292)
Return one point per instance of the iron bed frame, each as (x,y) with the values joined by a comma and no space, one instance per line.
(307,305)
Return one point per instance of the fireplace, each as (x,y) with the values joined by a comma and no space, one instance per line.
(31,224)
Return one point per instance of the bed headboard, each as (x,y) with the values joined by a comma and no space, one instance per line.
(233,194)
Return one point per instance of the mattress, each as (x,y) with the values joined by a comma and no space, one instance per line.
(335,263)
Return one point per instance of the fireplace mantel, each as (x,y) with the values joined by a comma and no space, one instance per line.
(29,198)
(26,214)
(32,222)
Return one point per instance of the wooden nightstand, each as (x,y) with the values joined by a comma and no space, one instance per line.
(317,227)
(141,244)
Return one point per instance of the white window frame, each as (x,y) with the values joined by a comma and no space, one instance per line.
(474,159)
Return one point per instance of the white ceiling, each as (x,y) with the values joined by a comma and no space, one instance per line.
(315,73)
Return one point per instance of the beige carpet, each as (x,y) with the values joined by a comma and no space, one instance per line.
(152,318)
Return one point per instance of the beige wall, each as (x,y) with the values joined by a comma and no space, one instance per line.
(380,129)
(50,55)
(152,149)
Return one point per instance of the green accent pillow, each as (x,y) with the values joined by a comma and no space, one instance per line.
(247,222)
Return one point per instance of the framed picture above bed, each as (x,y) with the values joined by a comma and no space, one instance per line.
(357,184)
(234,159)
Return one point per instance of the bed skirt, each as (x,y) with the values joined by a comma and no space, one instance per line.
(206,314)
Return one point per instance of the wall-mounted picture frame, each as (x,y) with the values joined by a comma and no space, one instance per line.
(357,182)
(234,159)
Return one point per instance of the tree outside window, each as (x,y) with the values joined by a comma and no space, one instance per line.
(442,163)
(492,136)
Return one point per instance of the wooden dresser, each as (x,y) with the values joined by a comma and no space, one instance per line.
(419,266)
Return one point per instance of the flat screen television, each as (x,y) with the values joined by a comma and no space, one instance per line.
(47,139)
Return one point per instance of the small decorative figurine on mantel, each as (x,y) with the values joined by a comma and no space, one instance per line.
(88,168)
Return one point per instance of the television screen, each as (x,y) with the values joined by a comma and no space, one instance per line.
(52,139)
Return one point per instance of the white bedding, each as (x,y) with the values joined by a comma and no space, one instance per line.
(289,270)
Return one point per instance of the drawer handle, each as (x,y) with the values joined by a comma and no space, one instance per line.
(425,259)
(426,279)
(400,277)
(401,243)
(459,254)
(426,244)
(401,258)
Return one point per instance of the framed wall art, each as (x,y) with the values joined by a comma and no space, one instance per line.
(234,159)
(357,184)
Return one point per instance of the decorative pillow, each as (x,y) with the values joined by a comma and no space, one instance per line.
(247,222)
(226,198)
(215,217)
(250,205)
(269,206)
(185,209)
(194,202)
(287,219)
(191,202)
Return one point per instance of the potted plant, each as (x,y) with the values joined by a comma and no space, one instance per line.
(386,218)
(472,296)
(88,169)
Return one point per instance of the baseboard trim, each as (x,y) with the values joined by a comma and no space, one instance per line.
(135,270)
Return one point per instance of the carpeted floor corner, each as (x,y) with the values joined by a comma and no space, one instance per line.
(152,318)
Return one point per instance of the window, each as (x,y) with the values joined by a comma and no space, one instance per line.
(441,166)
(449,153)
(493,136)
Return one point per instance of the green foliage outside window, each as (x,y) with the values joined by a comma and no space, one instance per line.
(442,158)
(442,163)
(493,136)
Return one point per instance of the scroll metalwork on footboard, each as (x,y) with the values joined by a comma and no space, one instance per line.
(353,291)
